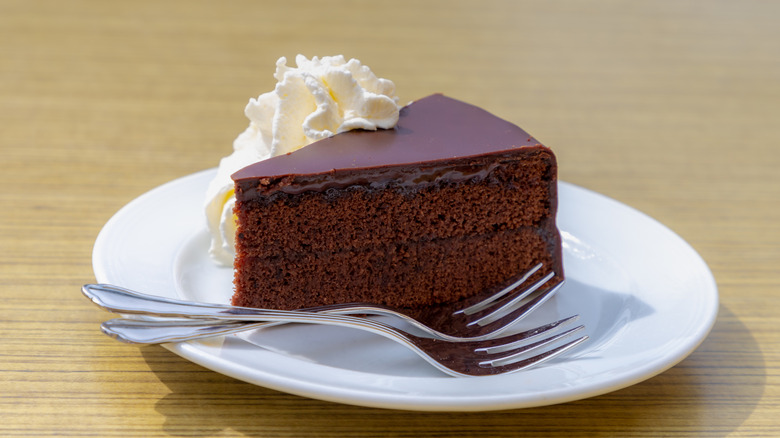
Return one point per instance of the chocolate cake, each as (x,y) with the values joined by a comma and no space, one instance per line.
(451,202)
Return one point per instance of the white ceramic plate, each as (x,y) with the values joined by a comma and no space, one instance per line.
(646,297)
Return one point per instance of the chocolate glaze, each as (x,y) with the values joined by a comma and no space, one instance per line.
(431,131)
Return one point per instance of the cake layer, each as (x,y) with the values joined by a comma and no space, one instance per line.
(464,197)
(402,275)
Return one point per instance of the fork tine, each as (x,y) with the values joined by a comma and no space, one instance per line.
(507,353)
(471,358)
(510,307)
(504,343)
(487,301)
(478,358)
(525,364)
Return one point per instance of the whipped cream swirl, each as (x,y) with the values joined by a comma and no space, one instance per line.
(319,98)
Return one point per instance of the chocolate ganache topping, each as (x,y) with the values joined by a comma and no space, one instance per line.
(430,132)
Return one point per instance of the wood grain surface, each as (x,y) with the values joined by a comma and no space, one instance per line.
(671,107)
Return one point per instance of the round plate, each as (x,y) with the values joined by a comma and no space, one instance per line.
(645,296)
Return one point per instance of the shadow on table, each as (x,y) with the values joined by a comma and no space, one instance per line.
(712,392)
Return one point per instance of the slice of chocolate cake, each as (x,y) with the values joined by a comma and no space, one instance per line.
(449,203)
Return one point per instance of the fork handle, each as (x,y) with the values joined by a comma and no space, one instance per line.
(120,300)
(144,332)
(124,301)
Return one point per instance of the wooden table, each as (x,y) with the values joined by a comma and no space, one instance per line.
(670,107)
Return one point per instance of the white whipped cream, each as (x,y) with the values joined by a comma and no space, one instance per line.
(319,98)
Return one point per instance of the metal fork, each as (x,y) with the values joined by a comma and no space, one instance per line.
(463,358)
(483,317)
(503,355)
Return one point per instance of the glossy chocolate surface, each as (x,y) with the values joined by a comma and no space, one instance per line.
(434,128)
